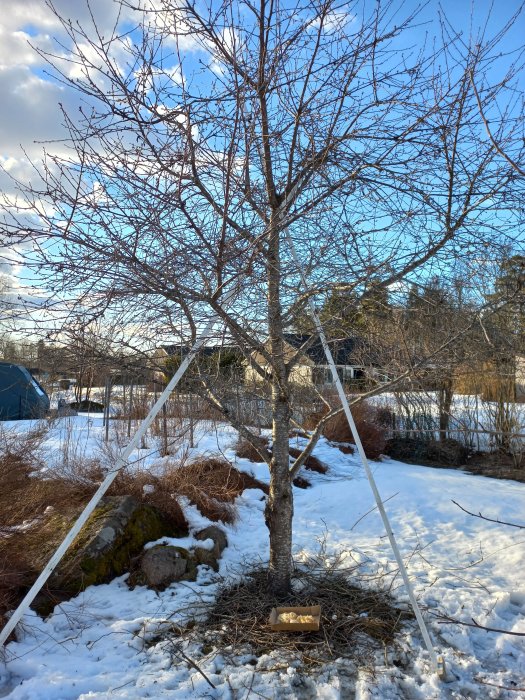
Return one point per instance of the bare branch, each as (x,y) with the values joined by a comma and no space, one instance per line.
(484,517)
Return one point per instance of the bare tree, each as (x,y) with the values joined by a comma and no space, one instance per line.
(208,131)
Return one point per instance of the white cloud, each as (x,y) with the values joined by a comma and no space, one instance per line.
(29,111)
(30,114)
(334,21)
(15,48)
(29,108)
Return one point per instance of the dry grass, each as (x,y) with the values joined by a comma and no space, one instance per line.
(213,485)
(25,491)
(24,497)
(34,504)
(355,622)
(210,484)
(16,577)
(371,423)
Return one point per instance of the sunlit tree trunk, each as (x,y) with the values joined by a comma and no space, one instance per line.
(279,509)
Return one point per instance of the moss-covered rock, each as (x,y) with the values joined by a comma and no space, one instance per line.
(113,536)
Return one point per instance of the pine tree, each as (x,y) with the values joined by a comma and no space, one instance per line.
(508,300)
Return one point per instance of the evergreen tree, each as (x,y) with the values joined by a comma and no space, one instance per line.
(508,299)
(346,314)
(432,310)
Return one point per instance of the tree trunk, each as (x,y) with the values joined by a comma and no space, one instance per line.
(279,508)
(446,394)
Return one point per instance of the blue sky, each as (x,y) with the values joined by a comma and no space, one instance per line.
(29,111)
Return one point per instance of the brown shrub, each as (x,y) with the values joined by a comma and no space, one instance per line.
(449,452)
(370,421)
(16,577)
(445,453)
(210,484)
(301,482)
(311,462)
(311,421)
(213,485)
(245,450)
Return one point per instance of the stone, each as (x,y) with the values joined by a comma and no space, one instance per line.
(163,564)
(114,535)
(211,557)
(216,534)
(207,557)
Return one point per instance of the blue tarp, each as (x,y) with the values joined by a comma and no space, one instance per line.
(21,396)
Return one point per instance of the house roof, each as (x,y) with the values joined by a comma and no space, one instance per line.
(207,350)
(344,350)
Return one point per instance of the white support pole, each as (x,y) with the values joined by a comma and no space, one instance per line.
(437,661)
(110,477)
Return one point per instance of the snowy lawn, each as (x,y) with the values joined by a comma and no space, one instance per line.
(102,643)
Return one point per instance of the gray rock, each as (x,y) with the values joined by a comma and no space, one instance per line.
(211,556)
(120,512)
(206,556)
(162,565)
(113,536)
(216,534)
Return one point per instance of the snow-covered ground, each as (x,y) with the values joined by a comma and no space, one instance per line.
(93,647)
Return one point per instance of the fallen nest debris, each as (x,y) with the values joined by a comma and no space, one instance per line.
(355,622)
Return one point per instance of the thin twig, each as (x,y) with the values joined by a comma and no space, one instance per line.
(484,517)
(177,650)
(476,625)
(496,145)
(372,510)
(503,687)
(251,686)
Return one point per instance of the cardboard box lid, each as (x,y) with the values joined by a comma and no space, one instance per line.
(313,610)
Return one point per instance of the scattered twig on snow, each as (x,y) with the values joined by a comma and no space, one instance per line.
(372,510)
(452,621)
(176,650)
(251,686)
(495,685)
(113,690)
(251,690)
(484,517)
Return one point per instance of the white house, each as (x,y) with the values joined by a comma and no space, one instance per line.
(311,367)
